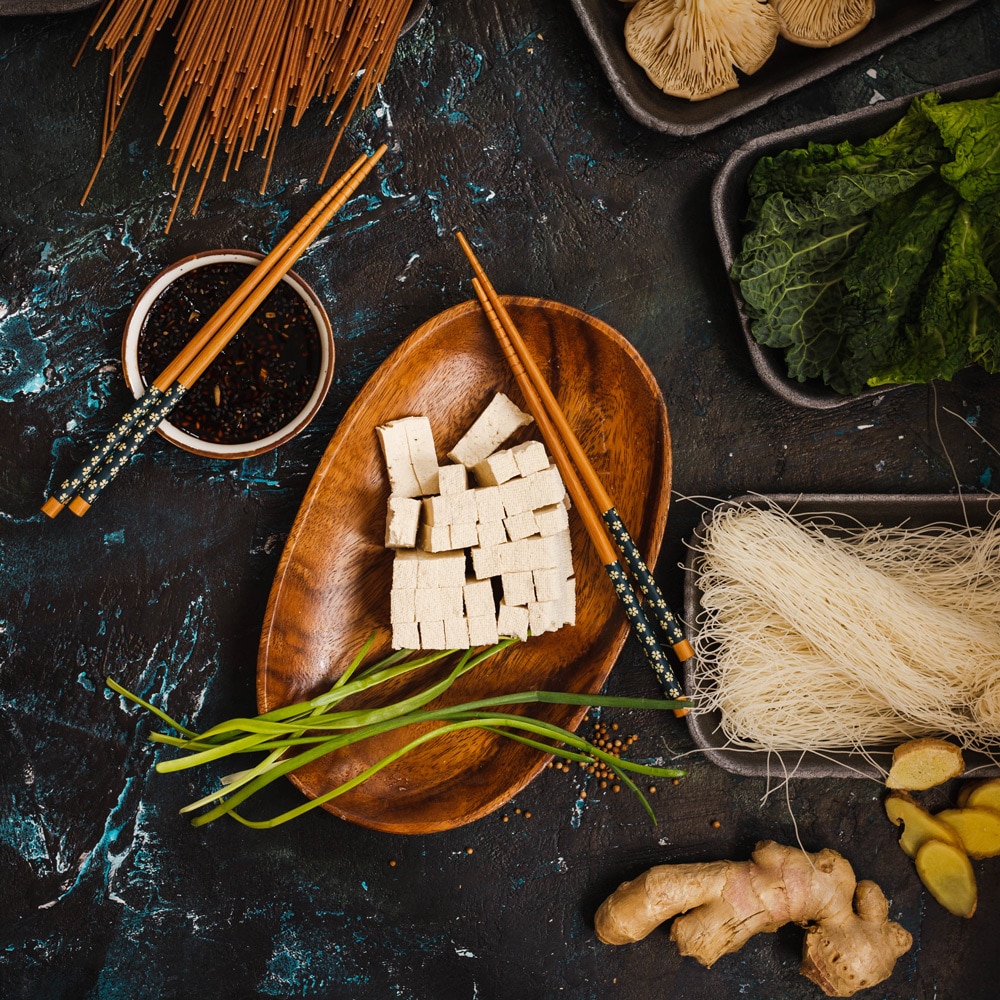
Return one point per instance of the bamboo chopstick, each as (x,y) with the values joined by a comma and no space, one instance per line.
(122,442)
(563,443)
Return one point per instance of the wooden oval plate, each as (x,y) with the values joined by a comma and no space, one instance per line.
(331,590)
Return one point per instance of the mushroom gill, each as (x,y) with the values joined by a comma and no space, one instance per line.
(689,48)
(820,23)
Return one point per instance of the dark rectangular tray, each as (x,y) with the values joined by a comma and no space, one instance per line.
(791,66)
(729,206)
(869,510)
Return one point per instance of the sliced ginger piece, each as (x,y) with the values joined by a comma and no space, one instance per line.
(978,828)
(923,763)
(982,794)
(919,826)
(947,873)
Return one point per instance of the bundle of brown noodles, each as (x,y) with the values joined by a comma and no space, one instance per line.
(242,68)
(818,639)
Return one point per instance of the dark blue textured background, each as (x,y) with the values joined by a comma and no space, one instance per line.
(499,122)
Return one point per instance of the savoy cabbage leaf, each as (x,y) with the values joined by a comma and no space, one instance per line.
(884,275)
(938,343)
(971,131)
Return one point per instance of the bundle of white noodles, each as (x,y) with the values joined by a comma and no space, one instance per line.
(820,638)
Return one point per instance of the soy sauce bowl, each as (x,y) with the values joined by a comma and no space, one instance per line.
(266,385)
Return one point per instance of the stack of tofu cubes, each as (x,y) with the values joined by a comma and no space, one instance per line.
(490,515)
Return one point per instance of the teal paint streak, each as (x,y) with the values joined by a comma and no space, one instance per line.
(23,359)
(261,470)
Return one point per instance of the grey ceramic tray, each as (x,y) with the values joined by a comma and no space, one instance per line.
(729,205)
(791,66)
(869,510)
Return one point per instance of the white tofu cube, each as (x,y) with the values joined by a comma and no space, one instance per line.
(517,496)
(427,605)
(520,556)
(486,561)
(491,533)
(456,633)
(543,616)
(432,635)
(402,605)
(464,509)
(401,521)
(520,525)
(435,537)
(452,602)
(567,603)
(512,620)
(464,536)
(479,599)
(403,480)
(495,469)
(404,569)
(530,457)
(550,584)
(452,479)
(489,506)
(550,552)
(518,588)
(546,486)
(552,519)
(423,453)
(438,604)
(483,630)
(451,569)
(405,635)
(427,570)
(437,510)
(492,427)
(561,547)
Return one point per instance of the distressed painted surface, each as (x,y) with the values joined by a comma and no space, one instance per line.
(499,122)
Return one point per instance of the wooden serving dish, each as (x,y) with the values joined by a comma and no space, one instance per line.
(331,590)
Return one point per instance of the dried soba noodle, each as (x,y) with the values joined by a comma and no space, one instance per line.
(242,68)
(821,638)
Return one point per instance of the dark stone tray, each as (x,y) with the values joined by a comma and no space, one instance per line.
(791,66)
(729,205)
(869,510)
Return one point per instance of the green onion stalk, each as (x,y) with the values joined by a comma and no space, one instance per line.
(295,735)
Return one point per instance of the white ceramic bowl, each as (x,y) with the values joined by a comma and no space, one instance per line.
(134,379)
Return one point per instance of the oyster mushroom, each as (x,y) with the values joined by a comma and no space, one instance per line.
(820,23)
(689,48)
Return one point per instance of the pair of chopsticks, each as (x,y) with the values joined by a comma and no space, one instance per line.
(85,484)
(592,501)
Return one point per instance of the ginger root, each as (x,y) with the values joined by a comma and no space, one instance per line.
(850,943)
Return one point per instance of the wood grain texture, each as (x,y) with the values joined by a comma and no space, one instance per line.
(331,590)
